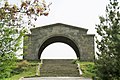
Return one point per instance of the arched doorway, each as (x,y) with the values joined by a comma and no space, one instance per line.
(59,39)
(58,50)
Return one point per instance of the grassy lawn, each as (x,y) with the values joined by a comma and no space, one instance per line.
(88,69)
(26,69)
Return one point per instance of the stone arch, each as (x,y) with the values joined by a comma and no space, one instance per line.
(62,39)
(76,37)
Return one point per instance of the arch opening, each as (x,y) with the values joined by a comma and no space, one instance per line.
(59,39)
(58,50)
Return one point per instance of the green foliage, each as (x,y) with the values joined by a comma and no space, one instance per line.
(24,63)
(88,69)
(13,27)
(9,44)
(23,71)
(108,62)
(20,67)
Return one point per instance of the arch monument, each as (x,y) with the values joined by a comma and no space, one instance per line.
(76,37)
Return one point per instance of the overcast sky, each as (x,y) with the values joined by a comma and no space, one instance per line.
(81,13)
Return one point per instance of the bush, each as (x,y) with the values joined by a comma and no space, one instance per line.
(88,69)
(23,64)
(6,67)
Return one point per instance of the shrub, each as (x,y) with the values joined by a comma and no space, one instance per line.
(88,69)
(22,64)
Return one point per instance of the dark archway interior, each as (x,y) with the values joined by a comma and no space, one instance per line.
(59,39)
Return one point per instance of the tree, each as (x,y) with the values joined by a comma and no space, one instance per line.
(13,27)
(108,62)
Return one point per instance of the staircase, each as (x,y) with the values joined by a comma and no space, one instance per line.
(58,68)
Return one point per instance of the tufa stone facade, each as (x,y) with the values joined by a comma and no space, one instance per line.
(41,37)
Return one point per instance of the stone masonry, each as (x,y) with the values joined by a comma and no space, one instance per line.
(76,37)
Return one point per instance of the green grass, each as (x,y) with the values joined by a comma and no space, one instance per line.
(88,69)
(28,71)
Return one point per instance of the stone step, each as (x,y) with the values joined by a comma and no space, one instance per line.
(58,68)
(56,78)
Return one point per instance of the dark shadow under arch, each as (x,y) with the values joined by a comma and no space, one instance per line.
(59,39)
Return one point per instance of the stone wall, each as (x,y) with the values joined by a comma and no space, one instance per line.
(38,36)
